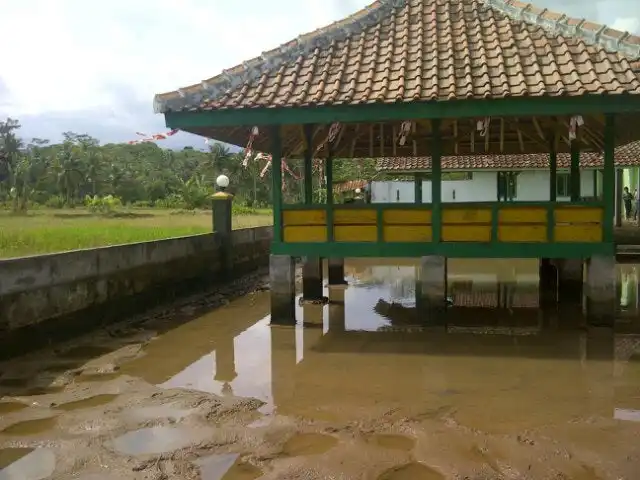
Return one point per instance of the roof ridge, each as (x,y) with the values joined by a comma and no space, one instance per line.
(252,69)
(557,23)
(249,71)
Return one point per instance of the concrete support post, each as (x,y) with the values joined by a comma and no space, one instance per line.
(336,307)
(221,206)
(282,282)
(431,288)
(570,279)
(601,291)
(312,288)
(548,287)
(336,271)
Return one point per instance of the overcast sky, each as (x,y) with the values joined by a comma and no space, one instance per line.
(93,67)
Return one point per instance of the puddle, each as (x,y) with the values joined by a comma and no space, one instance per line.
(227,467)
(26,464)
(89,402)
(392,441)
(308,444)
(411,471)
(97,377)
(30,427)
(10,407)
(83,352)
(156,440)
(14,382)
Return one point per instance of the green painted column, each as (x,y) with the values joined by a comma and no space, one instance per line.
(595,184)
(553,176)
(417,179)
(575,171)
(276,155)
(308,164)
(608,177)
(436,181)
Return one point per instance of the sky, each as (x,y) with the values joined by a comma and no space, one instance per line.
(94,67)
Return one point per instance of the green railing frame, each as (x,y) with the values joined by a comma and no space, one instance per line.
(492,249)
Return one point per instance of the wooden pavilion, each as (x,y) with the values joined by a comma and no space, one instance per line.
(431,78)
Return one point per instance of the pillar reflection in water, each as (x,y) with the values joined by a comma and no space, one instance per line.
(336,308)
(226,364)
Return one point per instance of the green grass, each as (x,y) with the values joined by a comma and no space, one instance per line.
(47,231)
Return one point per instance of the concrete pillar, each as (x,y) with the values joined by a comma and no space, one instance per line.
(221,207)
(337,319)
(601,291)
(312,288)
(336,271)
(282,283)
(431,288)
(548,286)
(570,279)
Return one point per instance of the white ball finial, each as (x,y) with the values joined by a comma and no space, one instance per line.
(358,191)
(222,181)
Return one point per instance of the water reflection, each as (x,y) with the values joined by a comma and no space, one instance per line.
(363,356)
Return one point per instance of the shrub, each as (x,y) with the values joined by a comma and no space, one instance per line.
(56,201)
(103,205)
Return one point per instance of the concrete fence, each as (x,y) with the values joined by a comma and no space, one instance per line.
(38,292)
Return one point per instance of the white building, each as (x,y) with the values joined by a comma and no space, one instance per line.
(476,178)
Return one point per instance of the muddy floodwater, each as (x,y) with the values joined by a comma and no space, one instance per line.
(362,388)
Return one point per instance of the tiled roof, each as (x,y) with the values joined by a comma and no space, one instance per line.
(626,156)
(406,50)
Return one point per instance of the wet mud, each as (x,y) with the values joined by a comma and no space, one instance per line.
(206,389)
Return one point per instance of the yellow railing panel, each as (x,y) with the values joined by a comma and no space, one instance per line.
(466,215)
(578,233)
(522,215)
(301,234)
(404,217)
(522,233)
(354,216)
(466,233)
(304,217)
(406,233)
(355,233)
(578,215)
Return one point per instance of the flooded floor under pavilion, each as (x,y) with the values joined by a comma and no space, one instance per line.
(360,388)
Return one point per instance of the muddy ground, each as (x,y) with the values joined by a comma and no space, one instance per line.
(80,411)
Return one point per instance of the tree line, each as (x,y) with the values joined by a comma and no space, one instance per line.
(69,173)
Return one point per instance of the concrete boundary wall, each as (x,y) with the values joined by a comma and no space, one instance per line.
(41,289)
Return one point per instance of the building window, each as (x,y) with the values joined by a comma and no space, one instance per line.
(563,185)
(507,185)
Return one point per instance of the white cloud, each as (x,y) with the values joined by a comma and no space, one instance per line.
(108,59)
(631,25)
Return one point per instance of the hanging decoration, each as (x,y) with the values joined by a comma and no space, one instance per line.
(334,129)
(248,151)
(405,130)
(483,126)
(152,138)
(575,122)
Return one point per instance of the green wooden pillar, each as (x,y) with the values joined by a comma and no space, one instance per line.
(329,176)
(418,188)
(308,164)
(608,178)
(595,184)
(575,171)
(436,181)
(553,176)
(276,164)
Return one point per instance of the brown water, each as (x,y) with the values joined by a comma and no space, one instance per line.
(500,368)
(88,402)
(30,427)
(26,463)
(365,388)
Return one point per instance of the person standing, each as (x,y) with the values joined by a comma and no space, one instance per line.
(627,199)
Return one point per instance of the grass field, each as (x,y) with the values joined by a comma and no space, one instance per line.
(46,231)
